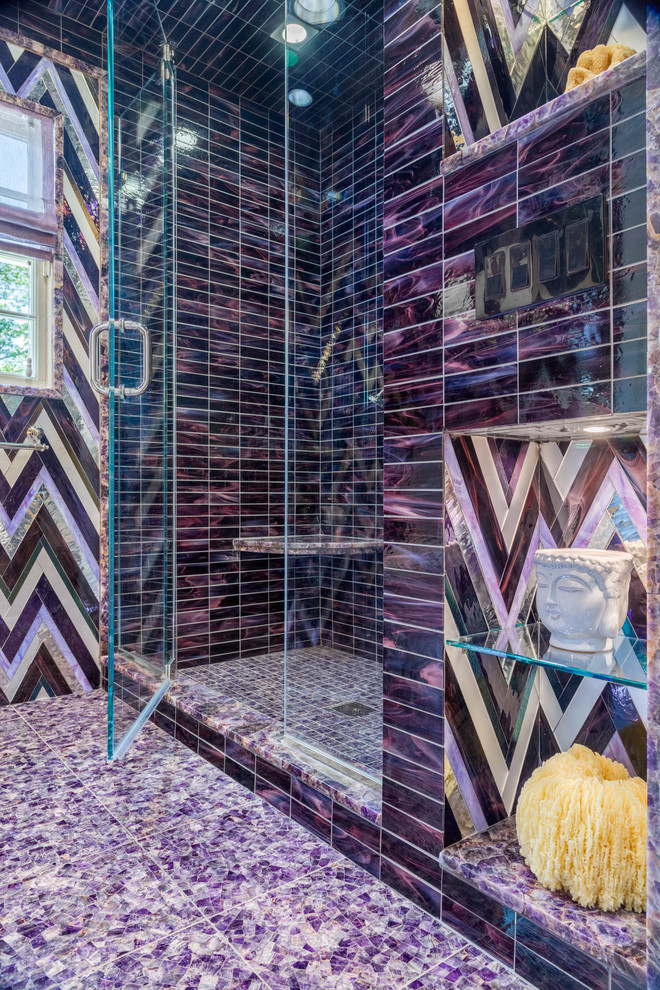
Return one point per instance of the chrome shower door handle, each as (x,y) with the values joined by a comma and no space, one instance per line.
(94,359)
(147,363)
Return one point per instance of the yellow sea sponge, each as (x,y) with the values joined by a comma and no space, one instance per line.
(619,52)
(577,76)
(594,61)
(581,822)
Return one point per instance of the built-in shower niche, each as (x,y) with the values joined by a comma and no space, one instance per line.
(506,495)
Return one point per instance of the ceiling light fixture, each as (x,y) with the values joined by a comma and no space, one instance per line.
(597,429)
(300,97)
(291,32)
(318,11)
(294,34)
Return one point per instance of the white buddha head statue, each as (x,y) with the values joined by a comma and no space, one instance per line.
(582,596)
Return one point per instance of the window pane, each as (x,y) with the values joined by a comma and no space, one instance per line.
(15,347)
(13,171)
(23,182)
(15,285)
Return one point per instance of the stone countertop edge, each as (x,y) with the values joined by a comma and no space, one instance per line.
(520,897)
(615,78)
(306,546)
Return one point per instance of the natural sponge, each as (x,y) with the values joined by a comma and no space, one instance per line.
(594,61)
(581,822)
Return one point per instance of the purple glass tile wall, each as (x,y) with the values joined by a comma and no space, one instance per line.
(351,395)
(577,356)
(444,370)
(413,741)
(231,375)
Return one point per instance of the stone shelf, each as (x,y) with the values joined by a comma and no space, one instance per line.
(307,546)
(491,862)
(625,664)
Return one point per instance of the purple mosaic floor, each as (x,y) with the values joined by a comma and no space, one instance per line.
(161,872)
(319,680)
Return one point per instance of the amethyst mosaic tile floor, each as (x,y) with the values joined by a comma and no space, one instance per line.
(209,890)
(319,680)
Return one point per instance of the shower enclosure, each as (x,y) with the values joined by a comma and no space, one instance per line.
(244,362)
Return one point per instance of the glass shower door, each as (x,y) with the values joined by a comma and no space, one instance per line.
(139,381)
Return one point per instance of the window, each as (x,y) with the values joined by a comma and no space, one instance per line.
(26,307)
(28,241)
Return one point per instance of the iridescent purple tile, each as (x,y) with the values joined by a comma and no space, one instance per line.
(413,204)
(411,887)
(494,381)
(589,330)
(419,695)
(406,719)
(311,798)
(359,828)
(483,353)
(500,411)
(628,173)
(563,194)
(487,198)
(352,849)
(629,100)
(462,239)
(473,176)
(419,778)
(577,367)
(568,161)
(480,932)
(317,824)
(566,403)
(406,232)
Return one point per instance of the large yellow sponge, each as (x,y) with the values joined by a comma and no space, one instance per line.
(581,822)
(591,63)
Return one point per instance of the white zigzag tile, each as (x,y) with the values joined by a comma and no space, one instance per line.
(59,651)
(12,610)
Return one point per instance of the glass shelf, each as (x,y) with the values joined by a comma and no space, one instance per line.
(624,664)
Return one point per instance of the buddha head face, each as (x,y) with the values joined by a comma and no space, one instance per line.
(582,596)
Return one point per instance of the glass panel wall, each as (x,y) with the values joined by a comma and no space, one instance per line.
(335,388)
(141,339)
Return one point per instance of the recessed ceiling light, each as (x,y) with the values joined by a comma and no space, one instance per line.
(294,33)
(597,429)
(318,11)
(300,97)
(291,32)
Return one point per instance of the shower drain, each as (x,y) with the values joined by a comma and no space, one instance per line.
(353,708)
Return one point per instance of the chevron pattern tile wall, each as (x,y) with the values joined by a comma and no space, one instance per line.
(49,502)
(505,58)
(504,499)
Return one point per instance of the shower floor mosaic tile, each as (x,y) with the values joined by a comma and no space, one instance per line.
(320,680)
(211,889)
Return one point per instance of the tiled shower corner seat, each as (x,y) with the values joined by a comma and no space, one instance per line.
(247,741)
(307,546)
(491,862)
